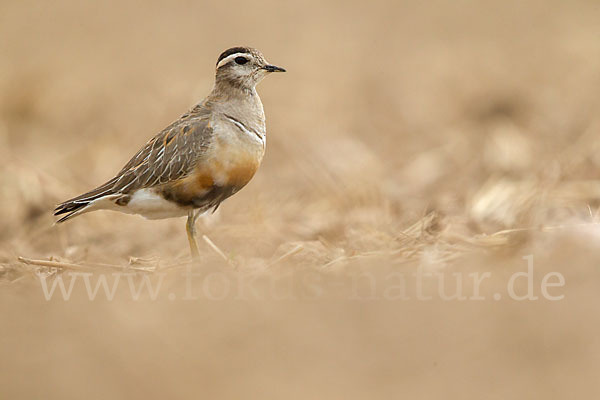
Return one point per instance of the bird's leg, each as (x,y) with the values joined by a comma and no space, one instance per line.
(190,227)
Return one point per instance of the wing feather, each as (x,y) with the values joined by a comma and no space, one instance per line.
(169,156)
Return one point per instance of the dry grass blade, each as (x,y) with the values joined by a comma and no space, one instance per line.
(82,267)
(287,254)
(54,264)
(216,249)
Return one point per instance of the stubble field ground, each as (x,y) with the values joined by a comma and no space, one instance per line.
(409,143)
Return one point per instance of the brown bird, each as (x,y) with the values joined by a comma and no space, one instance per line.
(205,156)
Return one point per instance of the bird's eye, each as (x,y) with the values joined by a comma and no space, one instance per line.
(241,60)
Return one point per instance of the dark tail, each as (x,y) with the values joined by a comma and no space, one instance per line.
(70,208)
(75,206)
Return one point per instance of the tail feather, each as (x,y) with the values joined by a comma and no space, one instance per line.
(72,209)
(79,204)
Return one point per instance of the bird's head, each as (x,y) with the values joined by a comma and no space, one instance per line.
(243,67)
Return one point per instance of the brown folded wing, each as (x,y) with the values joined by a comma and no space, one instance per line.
(169,156)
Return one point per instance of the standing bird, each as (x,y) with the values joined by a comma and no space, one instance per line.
(207,155)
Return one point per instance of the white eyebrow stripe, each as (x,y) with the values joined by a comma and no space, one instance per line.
(250,132)
(231,57)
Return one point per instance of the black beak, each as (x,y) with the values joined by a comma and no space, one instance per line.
(273,68)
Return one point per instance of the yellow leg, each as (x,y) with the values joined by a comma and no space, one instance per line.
(190,227)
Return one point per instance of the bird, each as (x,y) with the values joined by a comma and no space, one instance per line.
(194,164)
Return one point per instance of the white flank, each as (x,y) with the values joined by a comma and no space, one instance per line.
(149,204)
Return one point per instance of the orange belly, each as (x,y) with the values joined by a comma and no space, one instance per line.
(215,178)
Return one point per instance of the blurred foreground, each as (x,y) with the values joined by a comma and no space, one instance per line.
(438,137)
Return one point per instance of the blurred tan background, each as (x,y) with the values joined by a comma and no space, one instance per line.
(452,136)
